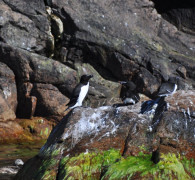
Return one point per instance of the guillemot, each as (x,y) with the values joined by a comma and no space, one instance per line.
(166,89)
(129,95)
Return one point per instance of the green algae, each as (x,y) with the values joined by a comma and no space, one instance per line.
(111,165)
(170,166)
(45,132)
(48,169)
(87,165)
(189,165)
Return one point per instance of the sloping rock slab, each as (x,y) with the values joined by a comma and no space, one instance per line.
(86,130)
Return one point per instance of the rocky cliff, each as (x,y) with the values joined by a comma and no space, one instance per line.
(46,45)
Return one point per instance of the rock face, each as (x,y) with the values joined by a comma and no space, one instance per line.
(87,130)
(50,100)
(48,46)
(115,36)
(182,18)
(8,93)
(25,25)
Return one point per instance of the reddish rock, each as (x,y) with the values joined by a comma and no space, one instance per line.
(5,112)
(50,101)
(36,128)
(182,101)
(22,130)
(10,131)
(125,129)
(29,67)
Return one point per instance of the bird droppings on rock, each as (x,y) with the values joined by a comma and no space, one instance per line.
(90,125)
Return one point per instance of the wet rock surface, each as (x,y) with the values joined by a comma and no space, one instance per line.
(22,130)
(9,162)
(87,130)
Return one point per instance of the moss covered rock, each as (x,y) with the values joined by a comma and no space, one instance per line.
(110,164)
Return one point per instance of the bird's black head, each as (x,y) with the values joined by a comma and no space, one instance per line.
(128,85)
(85,78)
(174,80)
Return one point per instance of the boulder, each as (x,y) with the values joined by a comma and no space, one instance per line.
(10,130)
(107,137)
(51,102)
(33,67)
(29,67)
(8,93)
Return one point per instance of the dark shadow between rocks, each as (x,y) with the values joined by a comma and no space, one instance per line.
(180,13)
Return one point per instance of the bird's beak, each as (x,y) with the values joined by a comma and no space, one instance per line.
(90,76)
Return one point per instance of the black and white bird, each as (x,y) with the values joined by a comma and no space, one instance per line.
(79,93)
(128,94)
(166,89)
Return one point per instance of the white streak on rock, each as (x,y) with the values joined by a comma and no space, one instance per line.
(90,125)
(6,92)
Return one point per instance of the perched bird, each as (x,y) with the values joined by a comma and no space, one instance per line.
(161,107)
(158,106)
(166,89)
(128,94)
(79,93)
(149,106)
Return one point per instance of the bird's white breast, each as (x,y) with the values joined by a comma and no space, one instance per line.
(175,88)
(83,93)
(129,100)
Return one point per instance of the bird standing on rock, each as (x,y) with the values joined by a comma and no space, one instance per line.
(166,89)
(130,95)
(158,106)
(79,93)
